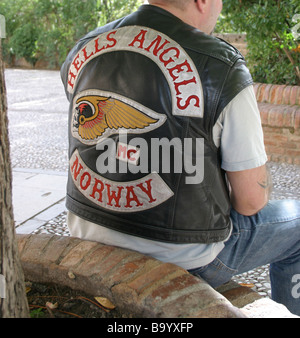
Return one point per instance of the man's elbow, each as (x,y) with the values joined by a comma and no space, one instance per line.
(249,207)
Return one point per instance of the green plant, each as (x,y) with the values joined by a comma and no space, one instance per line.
(48,29)
(273,50)
(37,313)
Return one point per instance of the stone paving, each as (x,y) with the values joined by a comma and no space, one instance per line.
(37,112)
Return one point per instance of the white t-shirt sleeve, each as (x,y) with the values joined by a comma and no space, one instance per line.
(242,142)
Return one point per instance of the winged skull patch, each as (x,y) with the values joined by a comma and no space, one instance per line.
(98,114)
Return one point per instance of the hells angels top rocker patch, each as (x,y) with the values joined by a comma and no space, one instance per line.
(176,65)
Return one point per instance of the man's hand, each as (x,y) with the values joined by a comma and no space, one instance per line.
(250,189)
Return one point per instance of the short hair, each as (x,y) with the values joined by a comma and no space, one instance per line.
(181,4)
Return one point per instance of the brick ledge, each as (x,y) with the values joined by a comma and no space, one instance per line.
(138,285)
(279,107)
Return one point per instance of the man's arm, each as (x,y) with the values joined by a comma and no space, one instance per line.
(250,189)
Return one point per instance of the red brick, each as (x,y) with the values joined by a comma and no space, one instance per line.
(240,296)
(272,96)
(132,267)
(280,138)
(34,248)
(256,87)
(92,263)
(60,245)
(289,145)
(295,95)
(289,116)
(220,310)
(155,277)
(76,255)
(113,260)
(297,161)
(276,116)
(22,241)
(266,94)
(270,143)
(264,109)
(275,150)
(297,119)
(293,153)
(261,92)
(279,94)
(286,95)
(176,287)
(200,303)
(295,139)
(272,130)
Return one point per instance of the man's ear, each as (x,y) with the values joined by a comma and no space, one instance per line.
(201,5)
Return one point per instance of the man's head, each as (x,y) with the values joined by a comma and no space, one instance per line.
(202,14)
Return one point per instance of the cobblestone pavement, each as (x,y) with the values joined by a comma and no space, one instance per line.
(37,112)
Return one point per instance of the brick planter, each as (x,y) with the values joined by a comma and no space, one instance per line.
(138,285)
(279,106)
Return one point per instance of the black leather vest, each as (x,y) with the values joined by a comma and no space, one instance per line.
(145,92)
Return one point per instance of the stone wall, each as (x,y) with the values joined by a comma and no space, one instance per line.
(279,106)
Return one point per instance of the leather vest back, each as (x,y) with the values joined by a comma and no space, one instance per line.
(145,92)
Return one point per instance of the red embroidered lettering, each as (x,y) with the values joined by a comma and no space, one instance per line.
(76,63)
(109,38)
(131,197)
(147,190)
(166,62)
(183,83)
(97,50)
(188,101)
(140,38)
(112,196)
(86,184)
(70,77)
(157,47)
(86,57)
(76,168)
(179,69)
(97,190)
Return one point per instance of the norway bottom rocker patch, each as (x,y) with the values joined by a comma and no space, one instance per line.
(132,196)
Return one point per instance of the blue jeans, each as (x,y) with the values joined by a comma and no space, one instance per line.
(272,236)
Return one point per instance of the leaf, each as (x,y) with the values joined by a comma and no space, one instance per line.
(71,275)
(51,306)
(247,285)
(105,302)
